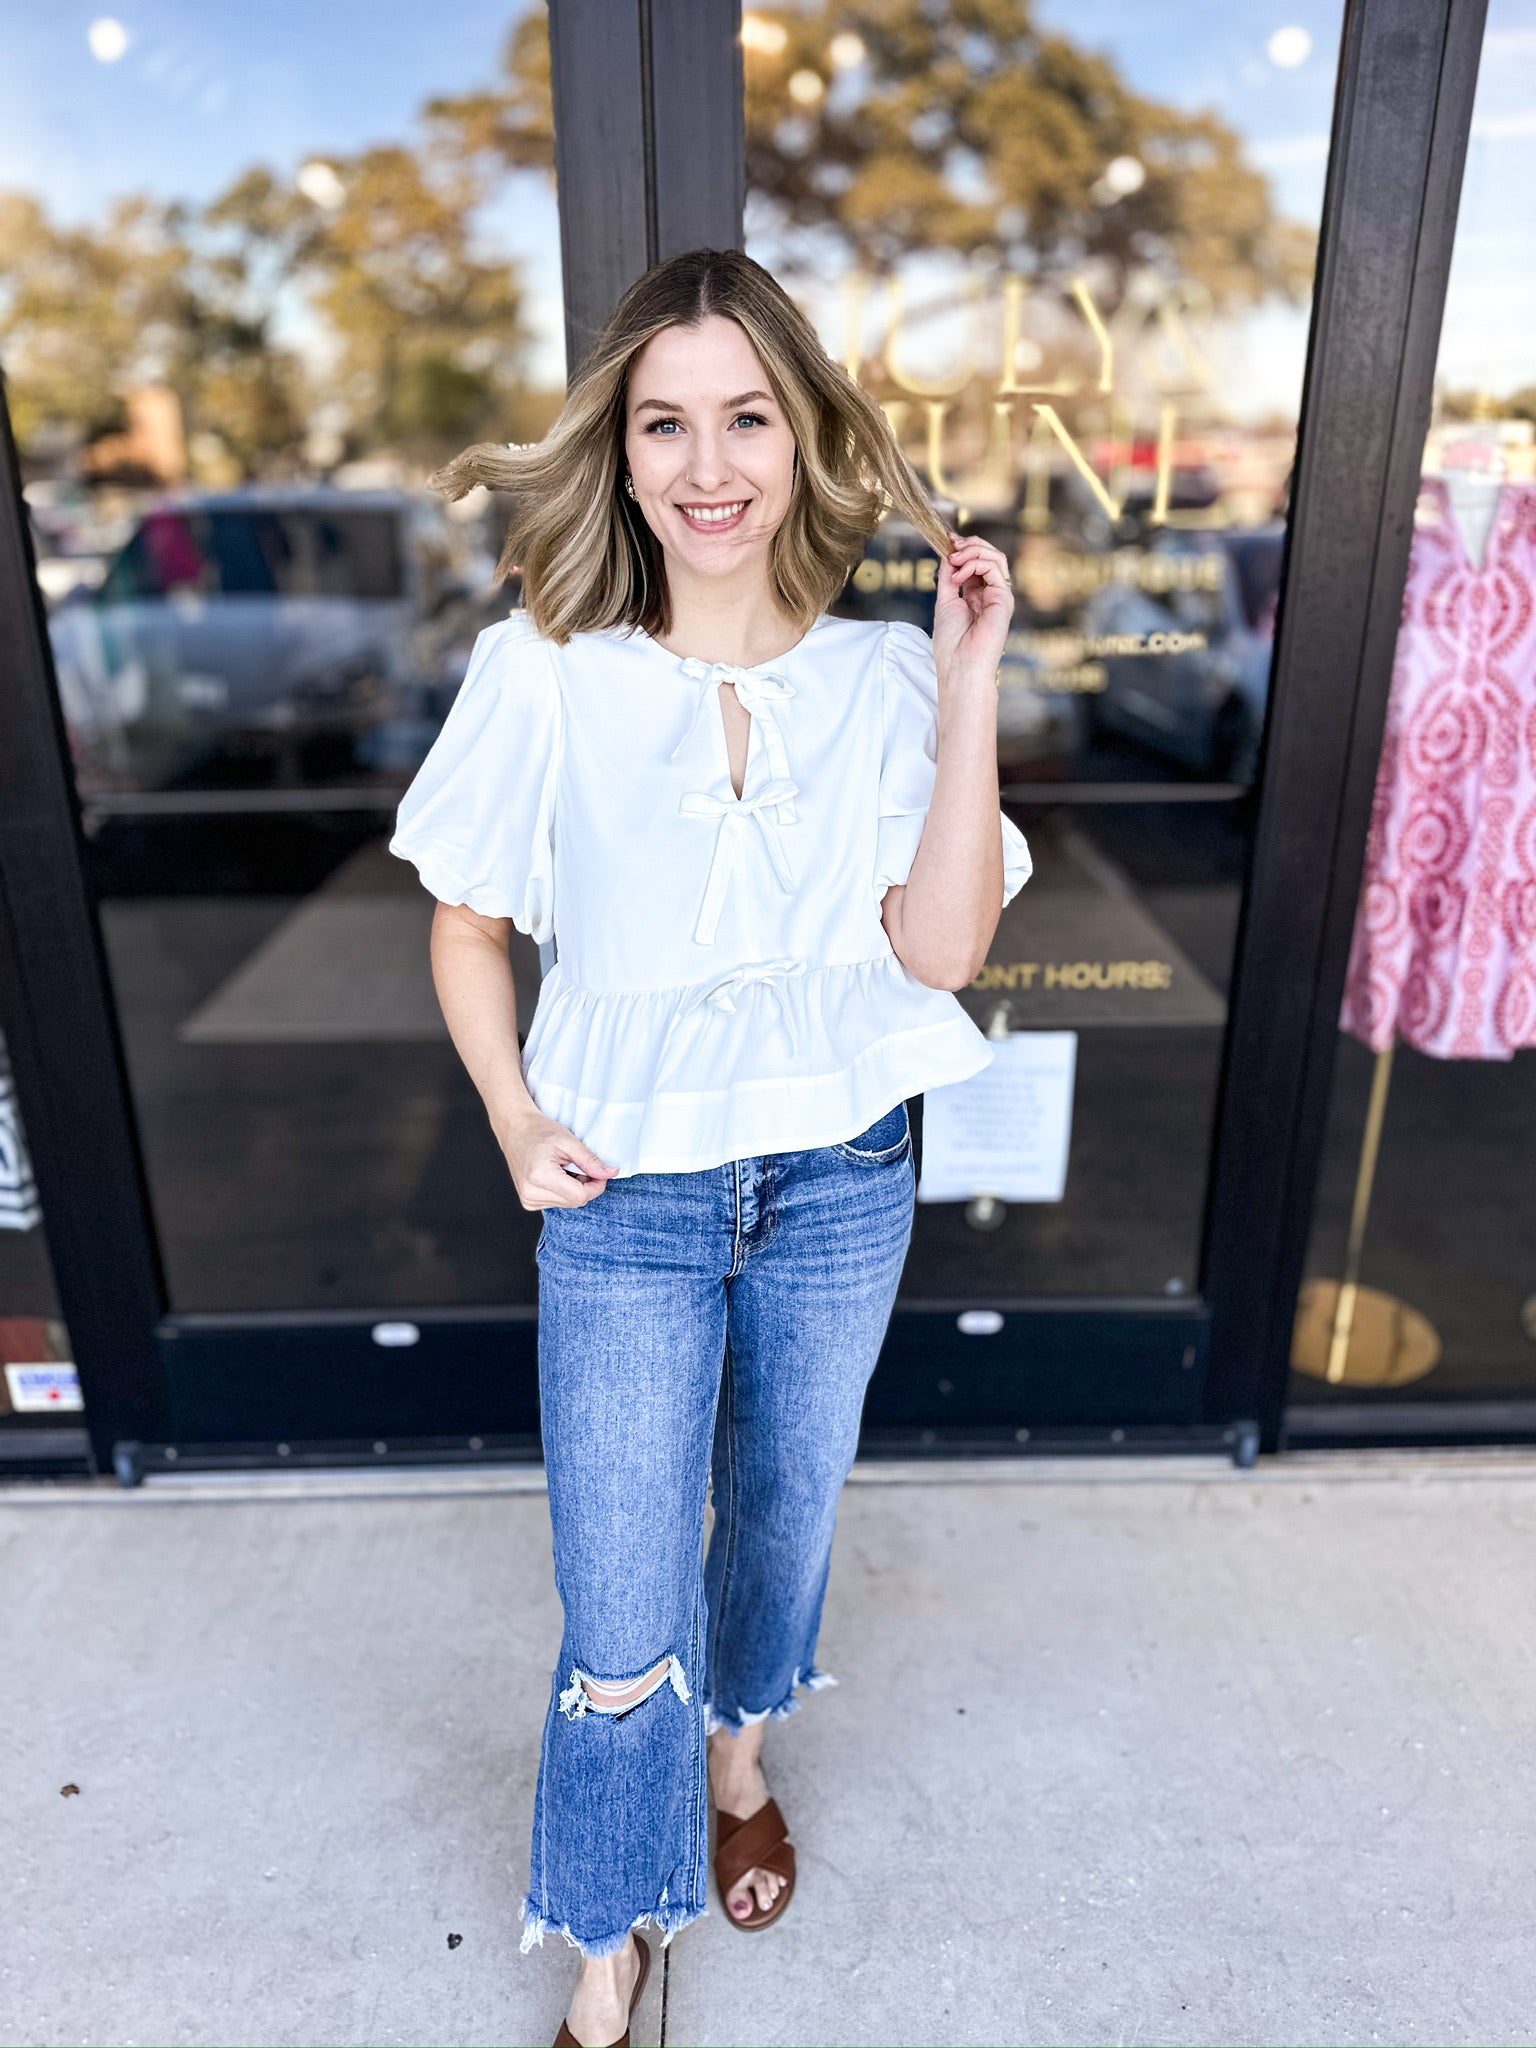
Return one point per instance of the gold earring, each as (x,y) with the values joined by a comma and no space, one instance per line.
(629,484)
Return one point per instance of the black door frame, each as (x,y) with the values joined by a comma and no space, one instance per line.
(1402,118)
(648,107)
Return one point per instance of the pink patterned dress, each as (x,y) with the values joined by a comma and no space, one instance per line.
(1444,953)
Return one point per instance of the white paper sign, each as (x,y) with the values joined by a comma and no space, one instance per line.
(1007,1130)
(43,1389)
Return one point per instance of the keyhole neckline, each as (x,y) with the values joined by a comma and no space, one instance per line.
(721,691)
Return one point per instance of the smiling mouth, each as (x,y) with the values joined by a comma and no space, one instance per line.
(714,518)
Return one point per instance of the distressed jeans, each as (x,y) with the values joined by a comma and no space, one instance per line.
(697,1331)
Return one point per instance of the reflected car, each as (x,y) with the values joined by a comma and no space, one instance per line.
(1211,597)
(286,631)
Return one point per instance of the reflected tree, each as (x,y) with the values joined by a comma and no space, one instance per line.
(881,129)
(417,337)
(511,121)
(430,335)
(878,128)
(87,312)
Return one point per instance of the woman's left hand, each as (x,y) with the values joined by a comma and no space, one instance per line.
(973,609)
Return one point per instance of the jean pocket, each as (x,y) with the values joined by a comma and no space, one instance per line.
(888,1139)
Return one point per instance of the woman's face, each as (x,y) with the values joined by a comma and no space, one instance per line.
(708,446)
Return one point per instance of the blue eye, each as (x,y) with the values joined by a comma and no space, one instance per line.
(752,419)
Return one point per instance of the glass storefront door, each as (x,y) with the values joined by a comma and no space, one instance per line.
(1070,250)
(245,316)
(1419,1313)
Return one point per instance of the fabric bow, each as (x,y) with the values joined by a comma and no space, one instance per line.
(736,815)
(721,993)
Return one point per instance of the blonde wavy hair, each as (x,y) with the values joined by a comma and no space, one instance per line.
(588,558)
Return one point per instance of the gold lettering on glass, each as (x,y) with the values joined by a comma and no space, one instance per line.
(906,379)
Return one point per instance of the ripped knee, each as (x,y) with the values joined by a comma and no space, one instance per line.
(617,1696)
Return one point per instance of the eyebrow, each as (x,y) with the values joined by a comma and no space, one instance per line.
(671,404)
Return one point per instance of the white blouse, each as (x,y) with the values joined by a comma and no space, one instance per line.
(724,986)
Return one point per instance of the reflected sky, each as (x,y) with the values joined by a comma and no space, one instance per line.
(1489,340)
(1212,53)
(1220,57)
(222,84)
(201,92)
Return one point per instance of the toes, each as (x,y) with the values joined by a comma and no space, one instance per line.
(757,1891)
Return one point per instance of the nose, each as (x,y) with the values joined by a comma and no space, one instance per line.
(710,465)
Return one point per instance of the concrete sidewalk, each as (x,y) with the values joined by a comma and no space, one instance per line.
(1120,1753)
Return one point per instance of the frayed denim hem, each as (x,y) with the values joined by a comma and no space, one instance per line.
(810,1680)
(667,1919)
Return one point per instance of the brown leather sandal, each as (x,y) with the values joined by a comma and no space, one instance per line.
(760,1842)
(566,2039)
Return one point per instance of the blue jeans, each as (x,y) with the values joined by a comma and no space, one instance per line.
(696,1330)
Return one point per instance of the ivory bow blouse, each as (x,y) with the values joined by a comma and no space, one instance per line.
(724,986)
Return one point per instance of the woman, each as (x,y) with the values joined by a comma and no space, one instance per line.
(770,845)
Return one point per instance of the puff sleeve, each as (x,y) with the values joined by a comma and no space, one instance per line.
(478,821)
(909,758)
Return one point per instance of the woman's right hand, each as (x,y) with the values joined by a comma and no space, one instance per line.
(538,1151)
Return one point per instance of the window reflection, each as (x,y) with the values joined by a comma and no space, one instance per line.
(1080,293)
(243,316)
(1069,249)
(242,628)
(236,342)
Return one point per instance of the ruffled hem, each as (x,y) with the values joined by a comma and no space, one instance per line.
(678,1080)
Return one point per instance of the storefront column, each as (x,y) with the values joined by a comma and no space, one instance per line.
(648,142)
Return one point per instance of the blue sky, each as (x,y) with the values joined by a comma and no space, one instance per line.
(1489,338)
(204,90)
(1215,53)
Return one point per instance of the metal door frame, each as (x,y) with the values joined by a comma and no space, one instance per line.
(1402,118)
(648,108)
